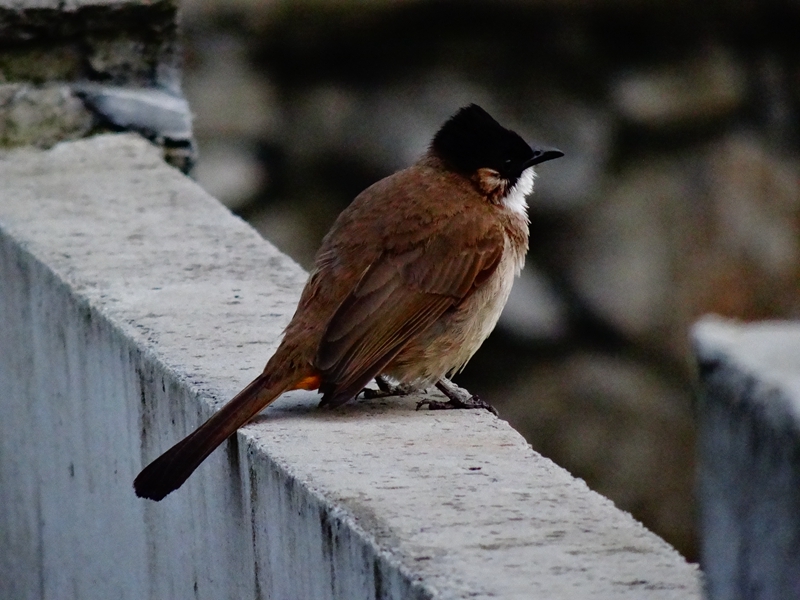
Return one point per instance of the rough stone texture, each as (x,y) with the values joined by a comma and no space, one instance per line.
(41,115)
(55,54)
(749,445)
(135,305)
(116,41)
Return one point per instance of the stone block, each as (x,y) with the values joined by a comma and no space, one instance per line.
(749,458)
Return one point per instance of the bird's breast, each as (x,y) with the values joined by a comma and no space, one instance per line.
(450,342)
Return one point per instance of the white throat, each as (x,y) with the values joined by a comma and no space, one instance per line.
(515,199)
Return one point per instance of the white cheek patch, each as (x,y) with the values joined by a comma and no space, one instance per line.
(514,200)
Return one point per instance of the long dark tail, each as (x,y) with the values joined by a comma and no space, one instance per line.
(170,470)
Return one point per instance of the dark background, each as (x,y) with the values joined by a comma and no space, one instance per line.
(679,194)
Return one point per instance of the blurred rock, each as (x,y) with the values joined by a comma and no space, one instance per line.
(534,311)
(228,96)
(123,59)
(72,68)
(706,87)
(252,12)
(757,197)
(753,259)
(712,231)
(774,100)
(622,250)
(41,115)
(291,229)
(584,133)
(38,65)
(388,128)
(230,171)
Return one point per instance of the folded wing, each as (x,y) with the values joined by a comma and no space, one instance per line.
(399,296)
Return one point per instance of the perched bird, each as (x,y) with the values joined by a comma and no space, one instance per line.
(406,286)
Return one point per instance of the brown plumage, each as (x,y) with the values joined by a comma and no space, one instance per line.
(407,284)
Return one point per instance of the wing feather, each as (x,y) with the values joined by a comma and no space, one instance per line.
(399,296)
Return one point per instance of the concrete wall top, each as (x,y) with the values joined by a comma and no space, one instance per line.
(439,505)
(748,419)
(768,351)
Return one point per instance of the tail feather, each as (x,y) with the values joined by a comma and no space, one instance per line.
(170,470)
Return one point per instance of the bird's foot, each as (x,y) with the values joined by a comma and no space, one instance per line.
(385,389)
(458,398)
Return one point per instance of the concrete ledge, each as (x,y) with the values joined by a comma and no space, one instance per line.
(134,304)
(749,451)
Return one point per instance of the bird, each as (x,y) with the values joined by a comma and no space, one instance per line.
(405,287)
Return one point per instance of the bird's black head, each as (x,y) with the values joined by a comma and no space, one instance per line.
(471,139)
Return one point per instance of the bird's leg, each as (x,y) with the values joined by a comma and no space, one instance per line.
(458,397)
(385,388)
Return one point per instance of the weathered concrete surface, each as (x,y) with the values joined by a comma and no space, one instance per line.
(133,305)
(749,451)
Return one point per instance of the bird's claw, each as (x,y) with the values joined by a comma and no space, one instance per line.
(473,401)
(385,389)
(457,398)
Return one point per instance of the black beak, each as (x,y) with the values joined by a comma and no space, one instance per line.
(541,155)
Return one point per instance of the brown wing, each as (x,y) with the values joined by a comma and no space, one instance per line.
(398,297)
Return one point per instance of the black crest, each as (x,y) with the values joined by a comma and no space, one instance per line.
(471,139)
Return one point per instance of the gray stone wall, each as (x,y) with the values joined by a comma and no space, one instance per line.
(71,69)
